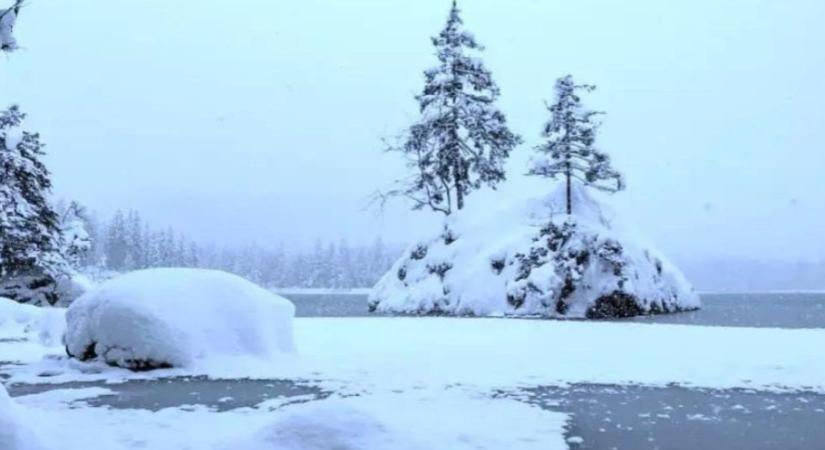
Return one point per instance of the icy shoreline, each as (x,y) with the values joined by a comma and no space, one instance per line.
(489,353)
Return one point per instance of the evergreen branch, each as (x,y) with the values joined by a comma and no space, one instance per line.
(15,7)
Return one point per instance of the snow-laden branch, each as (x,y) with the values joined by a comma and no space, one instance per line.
(8,17)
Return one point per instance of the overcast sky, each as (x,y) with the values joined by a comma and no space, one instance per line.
(262,120)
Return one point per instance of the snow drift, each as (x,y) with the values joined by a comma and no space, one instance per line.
(527,257)
(26,322)
(15,434)
(176,318)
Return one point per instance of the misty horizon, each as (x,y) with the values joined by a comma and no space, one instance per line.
(266,130)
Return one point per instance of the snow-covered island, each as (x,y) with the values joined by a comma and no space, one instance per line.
(518,252)
(528,258)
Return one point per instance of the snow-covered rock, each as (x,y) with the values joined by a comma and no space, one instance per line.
(525,256)
(178,318)
(15,434)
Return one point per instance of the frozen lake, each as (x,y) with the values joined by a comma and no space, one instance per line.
(604,416)
(730,310)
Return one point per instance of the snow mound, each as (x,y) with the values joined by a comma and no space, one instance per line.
(160,318)
(14,433)
(527,257)
(26,322)
(447,420)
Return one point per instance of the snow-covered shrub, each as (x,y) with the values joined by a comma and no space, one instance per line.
(527,257)
(178,318)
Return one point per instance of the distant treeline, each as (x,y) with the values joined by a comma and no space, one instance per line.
(126,242)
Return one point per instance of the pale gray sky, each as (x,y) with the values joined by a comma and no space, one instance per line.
(262,120)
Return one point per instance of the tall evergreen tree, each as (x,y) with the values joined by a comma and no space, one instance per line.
(570,149)
(116,245)
(134,241)
(30,234)
(461,141)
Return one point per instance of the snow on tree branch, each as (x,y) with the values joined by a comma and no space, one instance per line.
(8,17)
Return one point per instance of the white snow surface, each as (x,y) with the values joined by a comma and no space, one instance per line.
(181,318)
(15,432)
(401,353)
(13,137)
(455,419)
(43,325)
(502,227)
(446,420)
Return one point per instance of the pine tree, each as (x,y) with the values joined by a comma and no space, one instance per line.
(462,140)
(116,246)
(570,148)
(30,234)
(77,241)
(134,241)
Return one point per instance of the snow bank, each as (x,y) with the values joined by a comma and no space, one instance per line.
(14,432)
(178,318)
(399,353)
(527,257)
(391,353)
(31,323)
(447,420)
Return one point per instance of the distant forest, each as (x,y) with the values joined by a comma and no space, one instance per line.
(126,242)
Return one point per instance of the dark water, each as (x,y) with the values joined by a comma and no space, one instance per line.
(673,418)
(732,310)
(154,395)
(752,310)
(604,417)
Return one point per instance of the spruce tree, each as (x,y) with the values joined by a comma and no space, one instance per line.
(570,150)
(77,241)
(30,234)
(461,141)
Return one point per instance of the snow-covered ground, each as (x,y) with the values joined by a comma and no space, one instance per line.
(451,420)
(404,383)
(492,353)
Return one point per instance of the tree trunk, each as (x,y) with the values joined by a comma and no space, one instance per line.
(459,195)
(569,194)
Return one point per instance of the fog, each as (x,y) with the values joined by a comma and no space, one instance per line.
(263,120)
